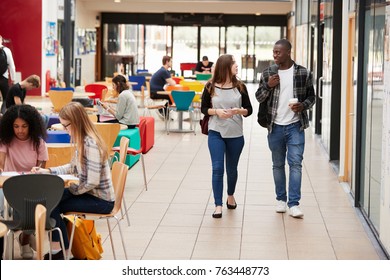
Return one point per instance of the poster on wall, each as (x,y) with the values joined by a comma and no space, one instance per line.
(86,41)
(50,40)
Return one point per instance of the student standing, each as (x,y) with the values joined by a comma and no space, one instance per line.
(5,78)
(94,193)
(287,121)
(225,99)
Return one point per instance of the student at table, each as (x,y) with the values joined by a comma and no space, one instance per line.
(160,80)
(204,66)
(94,193)
(126,111)
(21,148)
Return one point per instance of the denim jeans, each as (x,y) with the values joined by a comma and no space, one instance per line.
(78,203)
(219,147)
(291,140)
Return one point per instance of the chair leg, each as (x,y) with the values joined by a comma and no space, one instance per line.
(72,234)
(112,241)
(67,257)
(123,241)
(125,211)
(9,245)
(144,171)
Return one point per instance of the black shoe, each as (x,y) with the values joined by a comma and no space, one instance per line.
(230,206)
(217,215)
(57,256)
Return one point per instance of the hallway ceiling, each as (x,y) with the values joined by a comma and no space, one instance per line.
(195,6)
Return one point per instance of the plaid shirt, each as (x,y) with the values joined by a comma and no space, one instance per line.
(95,176)
(303,90)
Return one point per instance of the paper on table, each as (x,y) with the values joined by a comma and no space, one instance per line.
(68,177)
(10,173)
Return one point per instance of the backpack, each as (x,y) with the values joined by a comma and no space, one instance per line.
(87,243)
(263,113)
(3,61)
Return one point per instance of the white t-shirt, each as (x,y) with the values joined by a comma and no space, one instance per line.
(285,115)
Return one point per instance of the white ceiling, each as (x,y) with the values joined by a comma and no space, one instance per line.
(195,6)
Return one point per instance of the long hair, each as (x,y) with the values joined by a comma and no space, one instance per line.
(120,82)
(36,127)
(223,74)
(81,127)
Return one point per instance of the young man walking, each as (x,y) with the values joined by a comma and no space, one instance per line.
(288,90)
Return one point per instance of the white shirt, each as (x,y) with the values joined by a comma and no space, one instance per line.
(285,115)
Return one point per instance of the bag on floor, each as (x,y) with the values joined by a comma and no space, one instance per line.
(87,243)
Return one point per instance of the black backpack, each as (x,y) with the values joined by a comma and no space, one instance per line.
(263,113)
(3,61)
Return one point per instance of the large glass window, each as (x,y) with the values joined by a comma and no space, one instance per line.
(209,43)
(185,46)
(157,42)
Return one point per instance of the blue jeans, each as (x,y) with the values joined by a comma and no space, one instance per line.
(78,203)
(218,147)
(291,140)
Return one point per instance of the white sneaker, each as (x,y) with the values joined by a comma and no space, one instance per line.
(296,212)
(281,206)
(25,250)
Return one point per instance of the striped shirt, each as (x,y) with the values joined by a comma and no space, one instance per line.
(303,90)
(94,176)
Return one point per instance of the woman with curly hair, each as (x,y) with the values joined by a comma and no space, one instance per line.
(22,147)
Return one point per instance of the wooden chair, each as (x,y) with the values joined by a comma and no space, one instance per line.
(119,175)
(40,221)
(59,98)
(109,132)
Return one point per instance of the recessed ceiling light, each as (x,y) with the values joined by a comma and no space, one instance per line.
(117,1)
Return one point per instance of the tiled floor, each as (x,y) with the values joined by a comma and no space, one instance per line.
(172,220)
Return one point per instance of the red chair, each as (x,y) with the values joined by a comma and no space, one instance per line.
(95,88)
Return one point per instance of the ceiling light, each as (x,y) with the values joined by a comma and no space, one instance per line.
(117,1)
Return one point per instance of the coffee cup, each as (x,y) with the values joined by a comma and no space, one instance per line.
(292,101)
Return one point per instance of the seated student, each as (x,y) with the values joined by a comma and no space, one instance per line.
(17,93)
(203,66)
(160,79)
(126,111)
(21,148)
(94,193)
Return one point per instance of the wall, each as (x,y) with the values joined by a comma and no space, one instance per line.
(85,20)
(25,33)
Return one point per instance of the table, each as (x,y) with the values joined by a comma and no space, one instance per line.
(78,94)
(179,113)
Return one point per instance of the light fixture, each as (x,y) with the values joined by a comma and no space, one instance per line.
(117,1)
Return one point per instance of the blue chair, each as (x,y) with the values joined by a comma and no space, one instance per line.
(142,71)
(140,80)
(57,136)
(139,88)
(182,103)
(62,88)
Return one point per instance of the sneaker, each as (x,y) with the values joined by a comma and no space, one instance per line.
(281,206)
(296,212)
(25,250)
(56,256)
